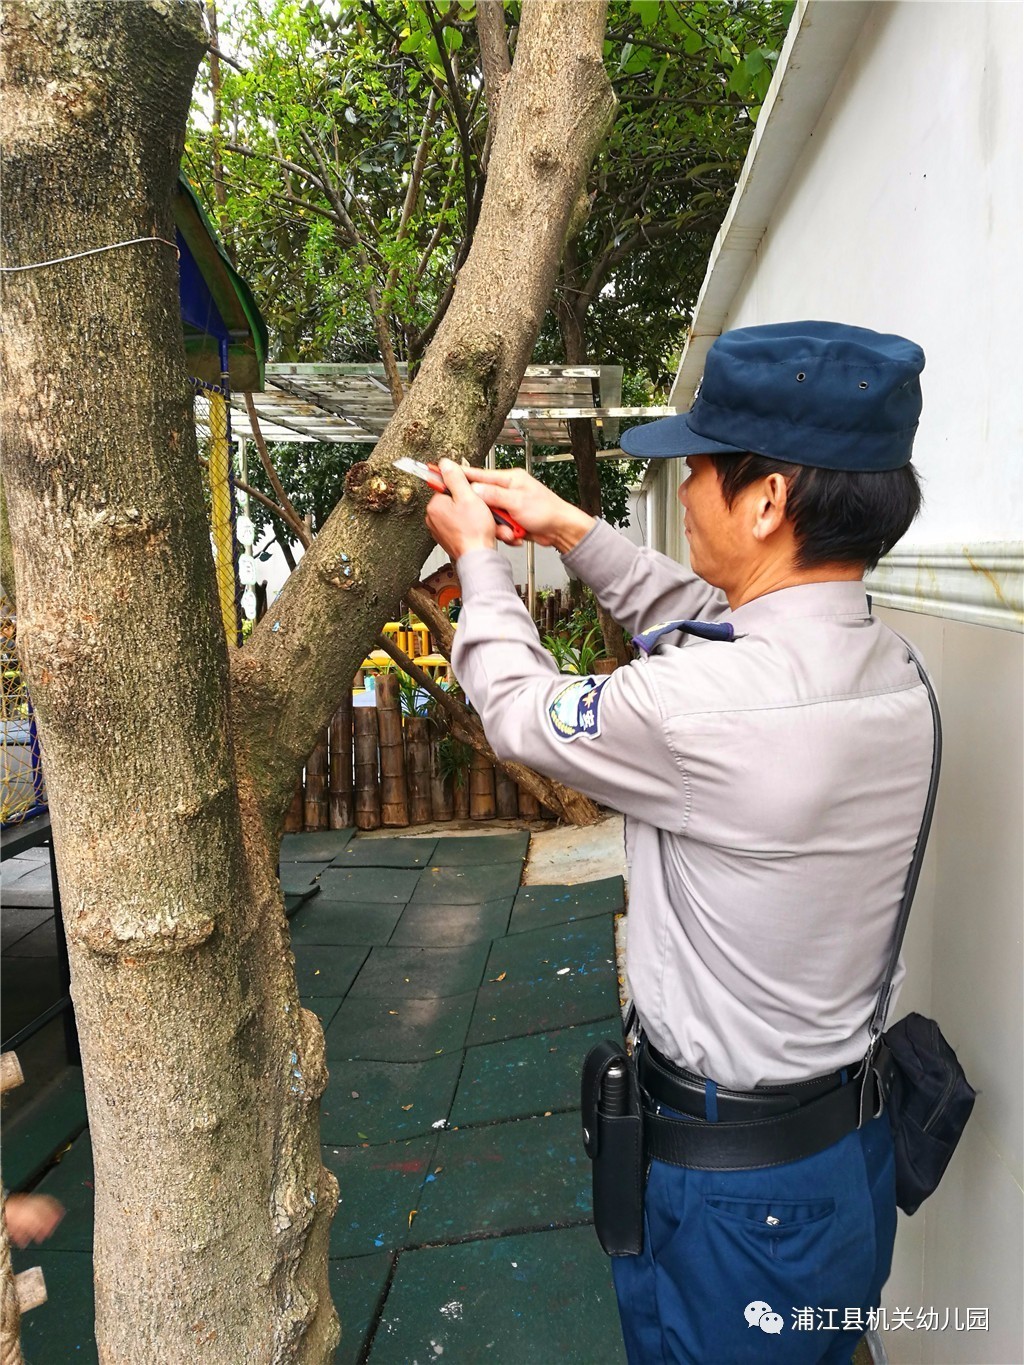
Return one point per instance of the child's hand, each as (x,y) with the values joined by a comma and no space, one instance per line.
(31,1217)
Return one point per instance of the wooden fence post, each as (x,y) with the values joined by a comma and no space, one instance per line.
(315,808)
(481,788)
(294,817)
(460,795)
(442,803)
(505,792)
(417,738)
(367,796)
(341,813)
(529,806)
(394,792)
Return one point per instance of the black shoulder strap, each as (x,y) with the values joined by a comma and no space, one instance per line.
(882,1006)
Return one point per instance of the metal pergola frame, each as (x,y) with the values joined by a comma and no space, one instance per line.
(352,403)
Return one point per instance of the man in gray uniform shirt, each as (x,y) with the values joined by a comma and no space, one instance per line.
(770,748)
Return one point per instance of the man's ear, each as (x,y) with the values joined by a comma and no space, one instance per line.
(770,507)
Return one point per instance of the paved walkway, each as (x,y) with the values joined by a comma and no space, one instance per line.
(457,1005)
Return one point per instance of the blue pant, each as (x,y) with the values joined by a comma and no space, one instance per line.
(731,1258)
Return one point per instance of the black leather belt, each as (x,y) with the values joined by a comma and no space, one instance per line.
(684,1090)
(764,1127)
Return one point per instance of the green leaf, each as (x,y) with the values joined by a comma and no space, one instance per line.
(660,77)
(648,11)
(692,42)
(452,39)
(412,43)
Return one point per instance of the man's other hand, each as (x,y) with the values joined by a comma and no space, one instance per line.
(462,521)
(546,518)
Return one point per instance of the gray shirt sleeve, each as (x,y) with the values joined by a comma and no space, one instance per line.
(639,586)
(604,736)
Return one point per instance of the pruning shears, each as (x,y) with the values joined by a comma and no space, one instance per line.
(431,475)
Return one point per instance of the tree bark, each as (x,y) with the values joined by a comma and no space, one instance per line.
(169,768)
(202,1071)
(556,106)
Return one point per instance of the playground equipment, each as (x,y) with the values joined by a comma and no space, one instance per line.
(226,348)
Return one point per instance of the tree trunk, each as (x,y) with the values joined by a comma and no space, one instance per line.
(169,765)
(202,1071)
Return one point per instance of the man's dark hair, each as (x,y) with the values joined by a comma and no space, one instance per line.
(838,517)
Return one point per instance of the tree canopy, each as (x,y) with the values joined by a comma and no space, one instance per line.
(346,155)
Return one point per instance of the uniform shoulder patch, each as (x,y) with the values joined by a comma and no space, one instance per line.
(575,710)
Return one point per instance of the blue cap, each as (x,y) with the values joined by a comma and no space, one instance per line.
(811,393)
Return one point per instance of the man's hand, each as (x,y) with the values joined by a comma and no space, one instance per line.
(546,518)
(461,522)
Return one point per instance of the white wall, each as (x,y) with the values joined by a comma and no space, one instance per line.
(904,215)
(965,1247)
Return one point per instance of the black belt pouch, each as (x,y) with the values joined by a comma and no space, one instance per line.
(613,1138)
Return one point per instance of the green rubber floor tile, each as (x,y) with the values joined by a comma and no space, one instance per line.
(325,1007)
(422,973)
(321,846)
(379,1188)
(504,1177)
(356,1288)
(384,1101)
(344,922)
(386,853)
(60,1331)
(71,1181)
(560,950)
(539,905)
(544,1298)
(506,1010)
(327,970)
(35,1133)
(523,1076)
(399,1030)
(292,903)
(370,885)
(27,990)
(297,878)
(481,850)
(448,926)
(467,885)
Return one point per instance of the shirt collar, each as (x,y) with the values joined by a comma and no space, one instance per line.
(843,598)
